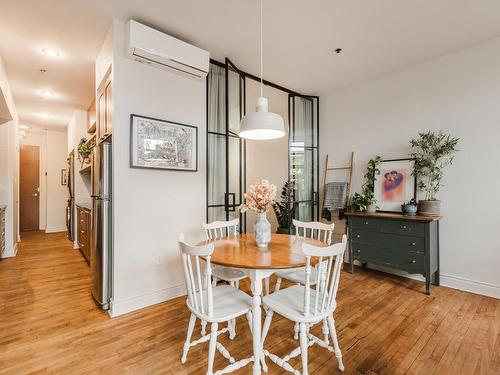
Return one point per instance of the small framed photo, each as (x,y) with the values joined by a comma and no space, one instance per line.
(395,184)
(161,144)
(64,177)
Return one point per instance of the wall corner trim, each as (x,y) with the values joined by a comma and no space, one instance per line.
(139,302)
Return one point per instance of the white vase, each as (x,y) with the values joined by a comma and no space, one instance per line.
(262,230)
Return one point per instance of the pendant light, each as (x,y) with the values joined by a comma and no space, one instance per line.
(262,124)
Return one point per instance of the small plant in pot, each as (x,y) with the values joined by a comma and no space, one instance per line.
(366,201)
(409,208)
(84,150)
(361,202)
(432,152)
(285,210)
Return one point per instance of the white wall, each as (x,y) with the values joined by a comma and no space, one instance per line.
(460,94)
(267,159)
(9,186)
(57,194)
(53,195)
(151,207)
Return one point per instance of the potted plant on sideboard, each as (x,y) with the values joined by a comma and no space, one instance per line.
(366,201)
(432,152)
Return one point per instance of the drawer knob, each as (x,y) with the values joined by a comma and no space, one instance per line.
(366,223)
(413,244)
(414,261)
(358,235)
(403,227)
(358,251)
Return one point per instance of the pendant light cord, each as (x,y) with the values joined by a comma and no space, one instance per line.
(261,49)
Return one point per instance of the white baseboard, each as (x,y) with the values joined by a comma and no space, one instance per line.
(136,303)
(455,282)
(56,229)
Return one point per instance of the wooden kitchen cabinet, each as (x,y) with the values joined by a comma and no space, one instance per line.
(105,108)
(84,231)
(91,118)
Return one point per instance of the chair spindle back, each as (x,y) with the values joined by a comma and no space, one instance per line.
(199,285)
(218,229)
(315,230)
(330,264)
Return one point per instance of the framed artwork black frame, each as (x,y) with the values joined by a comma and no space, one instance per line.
(133,115)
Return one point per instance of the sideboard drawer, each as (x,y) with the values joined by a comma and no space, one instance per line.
(388,241)
(368,224)
(405,227)
(405,260)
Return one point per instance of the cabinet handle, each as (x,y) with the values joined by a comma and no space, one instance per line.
(414,261)
(413,244)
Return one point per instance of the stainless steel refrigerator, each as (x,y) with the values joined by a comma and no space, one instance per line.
(101,241)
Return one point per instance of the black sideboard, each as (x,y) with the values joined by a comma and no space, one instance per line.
(408,243)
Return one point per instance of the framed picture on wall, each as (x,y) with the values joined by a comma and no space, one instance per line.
(162,144)
(394,185)
(64,177)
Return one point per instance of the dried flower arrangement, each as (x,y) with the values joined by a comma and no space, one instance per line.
(260,197)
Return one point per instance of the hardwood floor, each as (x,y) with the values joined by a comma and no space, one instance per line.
(49,324)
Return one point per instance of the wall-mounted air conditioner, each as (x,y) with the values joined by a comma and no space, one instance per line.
(151,46)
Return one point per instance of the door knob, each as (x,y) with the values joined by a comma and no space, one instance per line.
(34,194)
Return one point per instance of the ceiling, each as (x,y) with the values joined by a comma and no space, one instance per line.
(377,37)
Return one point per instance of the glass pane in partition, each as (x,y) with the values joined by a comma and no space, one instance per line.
(304,211)
(302,126)
(216,99)
(216,169)
(234,101)
(235,176)
(216,214)
(302,173)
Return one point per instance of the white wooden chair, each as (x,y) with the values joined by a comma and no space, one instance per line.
(233,276)
(210,304)
(307,306)
(316,230)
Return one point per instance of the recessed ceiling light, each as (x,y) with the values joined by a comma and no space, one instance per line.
(23,127)
(47,93)
(50,52)
(44,115)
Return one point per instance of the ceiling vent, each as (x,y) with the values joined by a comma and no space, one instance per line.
(151,46)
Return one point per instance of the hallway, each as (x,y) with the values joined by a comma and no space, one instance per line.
(49,324)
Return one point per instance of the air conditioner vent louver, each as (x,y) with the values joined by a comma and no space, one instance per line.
(151,46)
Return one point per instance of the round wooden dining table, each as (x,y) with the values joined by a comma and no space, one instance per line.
(241,251)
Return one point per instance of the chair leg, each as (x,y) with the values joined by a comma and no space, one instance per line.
(296,331)
(232,331)
(266,284)
(326,331)
(214,281)
(278,284)
(304,345)
(249,319)
(203,328)
(187,343)
(211,348)
(333,333)
(237,284)
(265,330)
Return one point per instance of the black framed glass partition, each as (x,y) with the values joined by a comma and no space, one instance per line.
(225,149)
(303,155)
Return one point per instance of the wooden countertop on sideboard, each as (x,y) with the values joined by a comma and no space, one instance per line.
(394,216)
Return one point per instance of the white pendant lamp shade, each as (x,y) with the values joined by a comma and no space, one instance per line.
(262,124)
